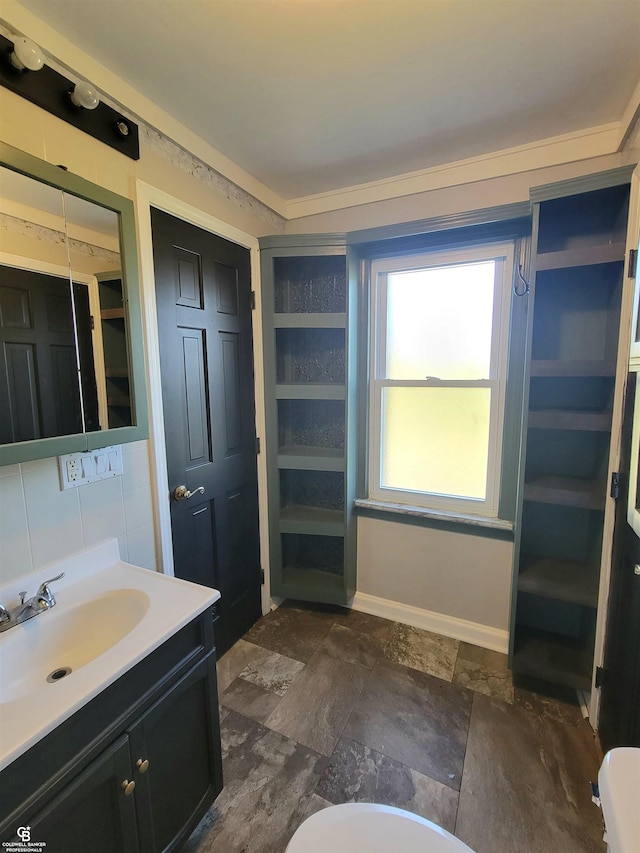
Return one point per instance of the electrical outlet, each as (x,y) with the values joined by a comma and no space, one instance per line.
(73,470)
(77,469)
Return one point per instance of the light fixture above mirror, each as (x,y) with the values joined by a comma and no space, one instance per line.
(23,70)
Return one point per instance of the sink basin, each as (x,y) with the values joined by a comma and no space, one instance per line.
(109,616)
(59,642)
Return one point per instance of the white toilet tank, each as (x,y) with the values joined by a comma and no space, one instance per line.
(619,786)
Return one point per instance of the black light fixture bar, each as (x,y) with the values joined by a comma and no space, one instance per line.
(50,90)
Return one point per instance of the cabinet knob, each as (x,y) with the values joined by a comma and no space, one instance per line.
(142,765)
(636,569)
(128,787)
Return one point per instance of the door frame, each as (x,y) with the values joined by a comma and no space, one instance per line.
(146,197)
(622,368)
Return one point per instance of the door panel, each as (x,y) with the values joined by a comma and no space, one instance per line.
(203,293)
(619,720)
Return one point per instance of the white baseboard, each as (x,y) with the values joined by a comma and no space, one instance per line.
(438,623)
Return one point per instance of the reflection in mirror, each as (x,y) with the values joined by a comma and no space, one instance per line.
(56,362)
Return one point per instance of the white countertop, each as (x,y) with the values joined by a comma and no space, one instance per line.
(160,605)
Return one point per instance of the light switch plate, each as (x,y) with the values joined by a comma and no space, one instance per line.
(77,469)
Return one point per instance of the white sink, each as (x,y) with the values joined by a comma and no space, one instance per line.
(108,616)
(57,643)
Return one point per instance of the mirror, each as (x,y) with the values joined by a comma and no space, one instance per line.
(70,336)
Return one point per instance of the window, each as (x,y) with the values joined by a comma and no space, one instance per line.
(440,325)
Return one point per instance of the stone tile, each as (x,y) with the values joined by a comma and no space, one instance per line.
(422,650)
(357,774)
(233,662)
(416,719)
(345,644)
(294,633)
(484,671)
(318,703)
(526,784)
(315,804)
(249,699)
(555,703)
(271,671)
(269,781)
(357,620)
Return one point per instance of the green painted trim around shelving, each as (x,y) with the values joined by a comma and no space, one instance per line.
(309,391)
(309,321)
(583,184)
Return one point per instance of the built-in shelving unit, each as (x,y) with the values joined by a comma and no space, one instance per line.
(114,342)
(578,257)
(309,347)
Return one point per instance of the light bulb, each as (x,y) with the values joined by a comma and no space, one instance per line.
(26,55)
(84,95)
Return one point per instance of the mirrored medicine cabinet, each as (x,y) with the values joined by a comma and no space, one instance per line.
(71,359)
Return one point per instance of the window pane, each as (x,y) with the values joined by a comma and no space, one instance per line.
(436,440)
(439,322)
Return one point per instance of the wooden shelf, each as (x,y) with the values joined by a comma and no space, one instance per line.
(570,419)
(311,585)
(309,458)
(572,368)
(309,321)
(112,313)
(566,491)
(563,580)
(581,257)
(309,391)
(312,520)
(123,400)
(551,657)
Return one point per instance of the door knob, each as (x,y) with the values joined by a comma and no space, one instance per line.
(182,493)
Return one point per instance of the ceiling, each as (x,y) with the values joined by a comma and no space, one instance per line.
(311,96)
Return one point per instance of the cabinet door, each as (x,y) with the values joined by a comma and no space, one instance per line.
(179,737)
(93,812)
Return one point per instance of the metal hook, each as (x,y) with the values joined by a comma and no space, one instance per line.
(522,279)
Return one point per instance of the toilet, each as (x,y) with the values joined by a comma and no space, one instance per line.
(619,786)
(371,828)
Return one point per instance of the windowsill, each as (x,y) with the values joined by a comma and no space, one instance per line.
(434,514)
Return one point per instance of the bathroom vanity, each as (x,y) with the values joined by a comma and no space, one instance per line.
(127,758)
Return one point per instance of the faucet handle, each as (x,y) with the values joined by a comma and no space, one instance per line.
(45,592)
(5,616)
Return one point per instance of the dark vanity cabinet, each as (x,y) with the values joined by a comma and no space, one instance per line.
(134,770)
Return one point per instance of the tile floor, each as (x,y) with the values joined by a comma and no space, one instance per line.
(322,706)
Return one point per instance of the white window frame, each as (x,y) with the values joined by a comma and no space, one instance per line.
(503,254)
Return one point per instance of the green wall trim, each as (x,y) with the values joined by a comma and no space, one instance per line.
(304,242)
(500,213)
(586,183)
(453,525)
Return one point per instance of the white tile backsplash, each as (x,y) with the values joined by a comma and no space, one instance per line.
(39,523)
(15,547)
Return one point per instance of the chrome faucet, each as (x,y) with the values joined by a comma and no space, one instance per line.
(38,603)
